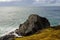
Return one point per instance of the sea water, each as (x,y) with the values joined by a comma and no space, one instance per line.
(12,17)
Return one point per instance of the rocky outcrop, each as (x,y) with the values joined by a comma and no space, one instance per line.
(33,24)
(56,27)
(7,37)
(10,35)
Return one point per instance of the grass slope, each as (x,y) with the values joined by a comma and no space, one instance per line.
(45,34)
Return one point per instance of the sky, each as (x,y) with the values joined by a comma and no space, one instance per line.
(29,2)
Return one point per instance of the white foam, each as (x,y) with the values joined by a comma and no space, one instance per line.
(16,35)
(12,34)
(8,32)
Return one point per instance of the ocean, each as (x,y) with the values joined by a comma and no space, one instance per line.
(12,17)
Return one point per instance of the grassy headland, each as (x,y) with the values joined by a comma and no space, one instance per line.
(44,34)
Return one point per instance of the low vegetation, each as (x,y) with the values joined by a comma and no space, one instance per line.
(45,34)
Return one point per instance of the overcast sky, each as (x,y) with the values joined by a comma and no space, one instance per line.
(29,2)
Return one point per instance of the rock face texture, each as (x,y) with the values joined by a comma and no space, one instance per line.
(32,25)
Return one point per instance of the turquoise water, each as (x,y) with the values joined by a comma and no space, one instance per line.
(12,17)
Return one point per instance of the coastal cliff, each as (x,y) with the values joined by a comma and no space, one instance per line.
(34,28)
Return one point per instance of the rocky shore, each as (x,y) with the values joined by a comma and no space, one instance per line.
(33,24)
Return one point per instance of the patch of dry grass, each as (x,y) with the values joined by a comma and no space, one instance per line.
(45,34)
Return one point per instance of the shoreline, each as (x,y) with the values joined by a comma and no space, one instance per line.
(8,32)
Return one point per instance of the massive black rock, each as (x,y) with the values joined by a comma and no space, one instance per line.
(32,25)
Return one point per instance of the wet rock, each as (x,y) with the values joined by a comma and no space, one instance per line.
(7,37)
(10,36)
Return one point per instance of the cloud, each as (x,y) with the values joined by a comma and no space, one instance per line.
(47,2)
(9,0)
(30,2)
(17,3)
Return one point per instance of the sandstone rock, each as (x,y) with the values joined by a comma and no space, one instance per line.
(33,24)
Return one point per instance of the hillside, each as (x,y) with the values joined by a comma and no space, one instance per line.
(44,34)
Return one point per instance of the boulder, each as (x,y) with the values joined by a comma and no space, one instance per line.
(33,24)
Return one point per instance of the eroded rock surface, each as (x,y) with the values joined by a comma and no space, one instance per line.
(33,24)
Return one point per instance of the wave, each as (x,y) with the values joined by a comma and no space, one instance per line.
(8,32)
